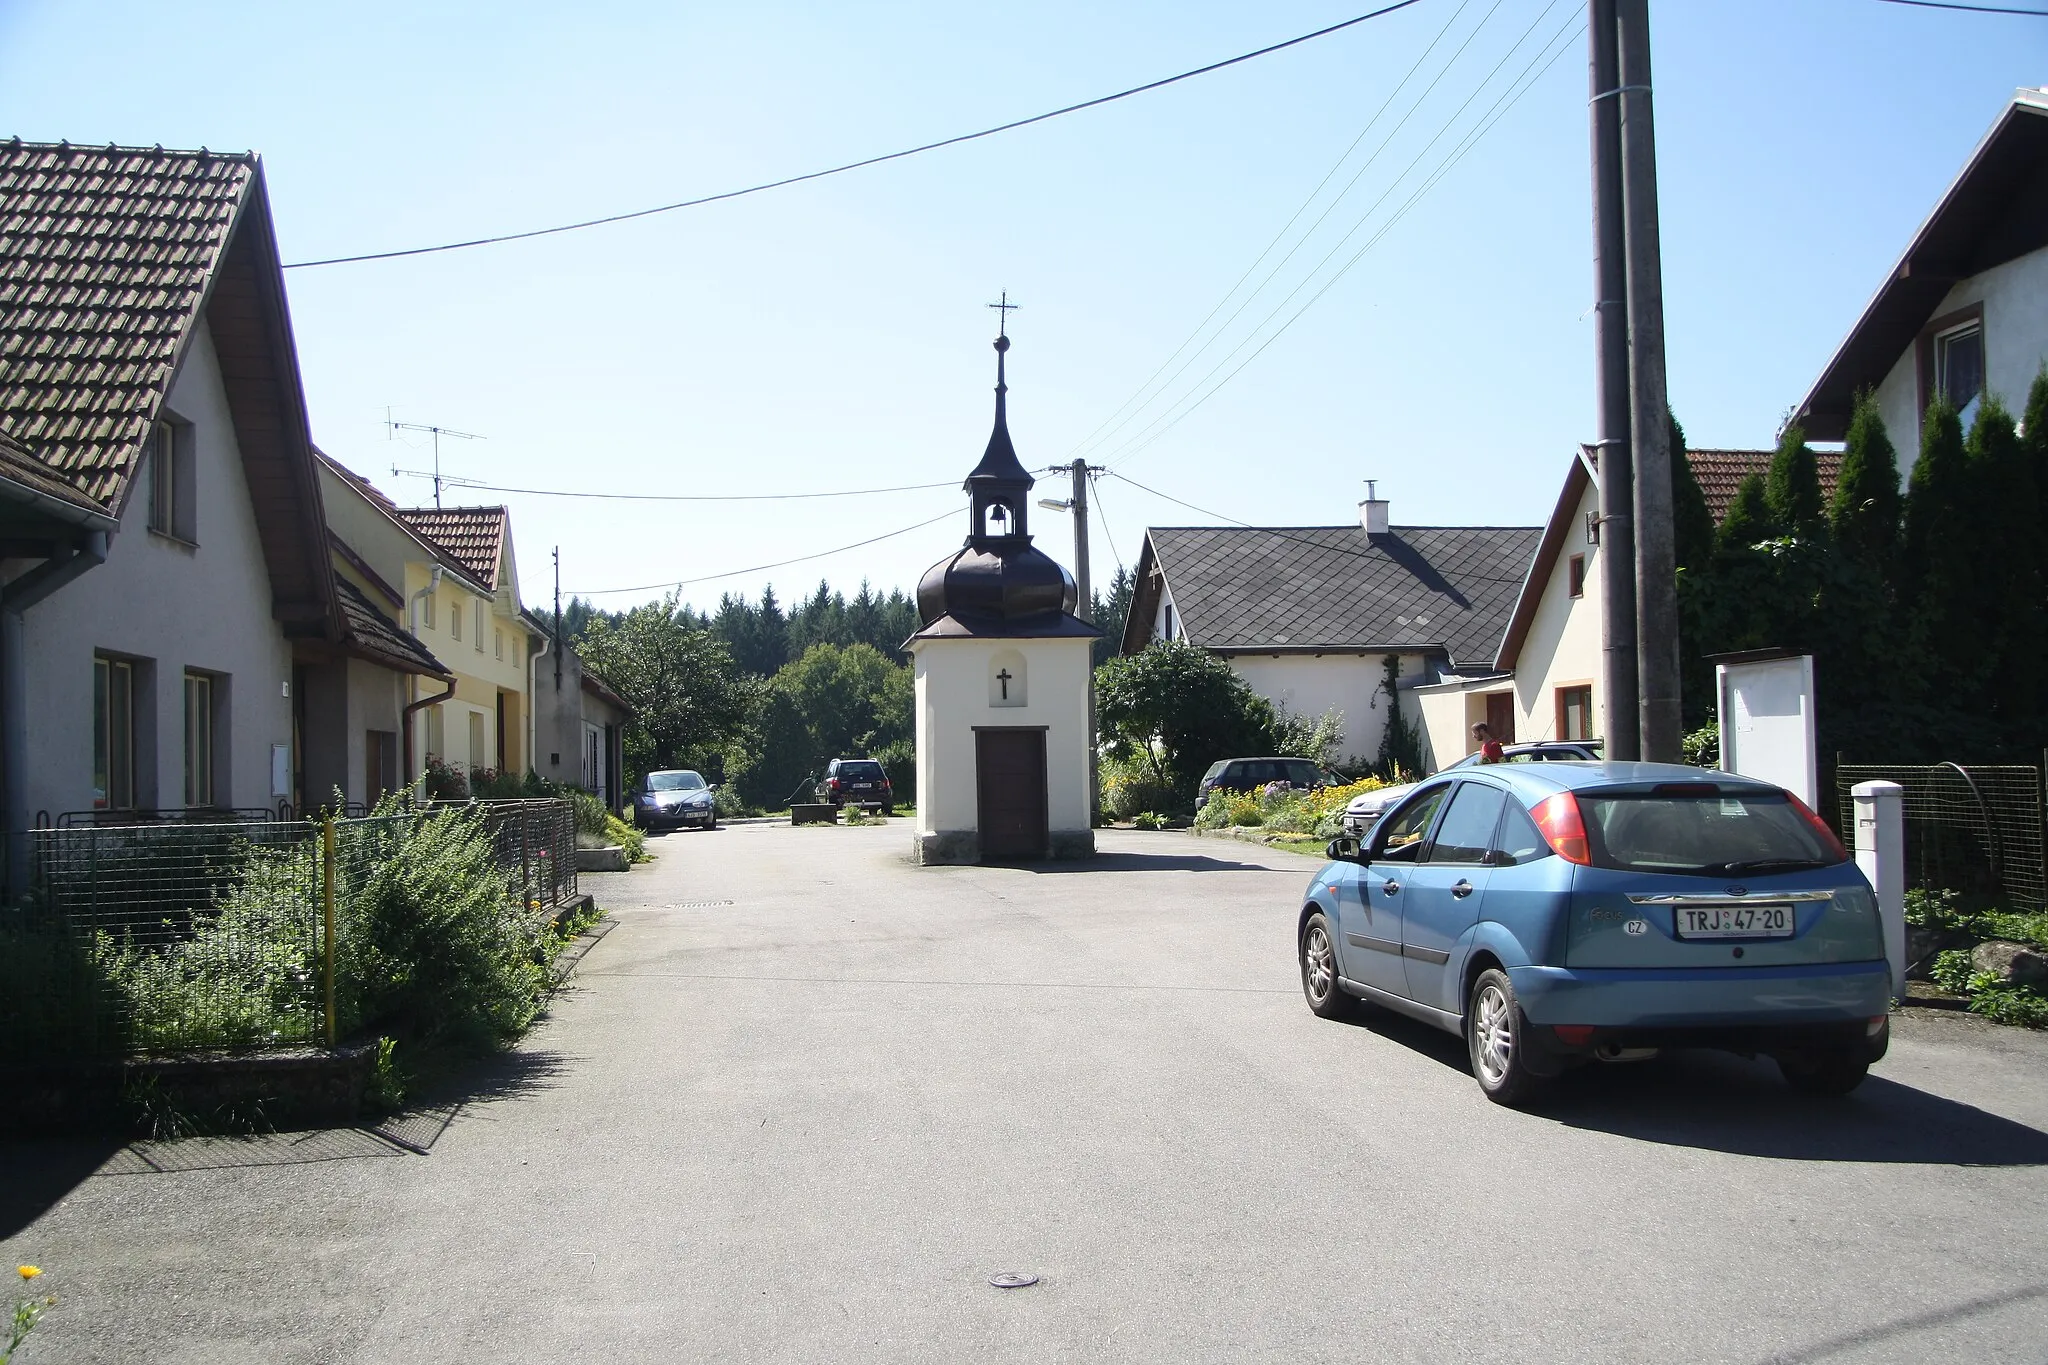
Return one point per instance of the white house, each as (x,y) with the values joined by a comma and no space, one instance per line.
(1965,309)
(164,577)
(1310,615)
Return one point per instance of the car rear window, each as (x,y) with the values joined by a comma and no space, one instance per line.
(861,772)
(1717,833)
(1302,774)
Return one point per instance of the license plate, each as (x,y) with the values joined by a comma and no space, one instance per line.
(1735,921)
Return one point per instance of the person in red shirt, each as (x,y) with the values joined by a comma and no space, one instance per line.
(1489,747)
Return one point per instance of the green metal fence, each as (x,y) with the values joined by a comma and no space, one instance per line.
(170,937)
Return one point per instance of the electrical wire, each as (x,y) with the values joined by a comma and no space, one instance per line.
(1105,430)
(762,568)
(1102,515)
(687,497)
(1509,97)
(1968,9)
(1303,540)
(855,165)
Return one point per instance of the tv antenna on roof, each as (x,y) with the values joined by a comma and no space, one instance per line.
(391,429)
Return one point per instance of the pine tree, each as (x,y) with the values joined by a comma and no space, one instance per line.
(2009,569)
(1864,516)
(1749,517)
(1935,523)
(1792,489)
(1693,520)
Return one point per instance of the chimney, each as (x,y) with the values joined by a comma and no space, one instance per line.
(1372,513)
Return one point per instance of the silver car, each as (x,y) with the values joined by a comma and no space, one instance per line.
(1364,811)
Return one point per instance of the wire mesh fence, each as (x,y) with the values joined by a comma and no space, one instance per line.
(224,935)
(1975,829)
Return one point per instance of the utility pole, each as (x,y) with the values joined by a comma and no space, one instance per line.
(1084,607)
(1649,417)
(1621,726)
(558,618)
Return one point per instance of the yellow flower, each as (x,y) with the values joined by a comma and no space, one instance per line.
(28,1272)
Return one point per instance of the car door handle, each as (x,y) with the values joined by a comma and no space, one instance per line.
(1390,888)
(1461,888)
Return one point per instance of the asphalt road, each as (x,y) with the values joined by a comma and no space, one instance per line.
(806,1098)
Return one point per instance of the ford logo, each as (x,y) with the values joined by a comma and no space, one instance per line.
(1738,891)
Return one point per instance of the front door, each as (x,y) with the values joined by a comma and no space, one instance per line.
(1444,892)
(1500,716)
(1370,916)
(1009,772)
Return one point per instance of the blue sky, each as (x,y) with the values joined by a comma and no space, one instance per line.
(833,335)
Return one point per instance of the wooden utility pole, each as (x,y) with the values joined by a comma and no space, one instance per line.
(1620,724)
(1649,417)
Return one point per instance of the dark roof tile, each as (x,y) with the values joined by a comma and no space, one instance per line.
(473,538)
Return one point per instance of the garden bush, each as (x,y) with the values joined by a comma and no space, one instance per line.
(1129,789)
(1955,970)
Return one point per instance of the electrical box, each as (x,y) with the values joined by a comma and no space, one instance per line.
(1767,725)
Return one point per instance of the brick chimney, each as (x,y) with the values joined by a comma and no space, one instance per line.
(1372,513)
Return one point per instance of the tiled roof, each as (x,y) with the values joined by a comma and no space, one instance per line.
(105,256)
(1720,472)
(473,538)
(1303,587)
(18,466)
(372,633)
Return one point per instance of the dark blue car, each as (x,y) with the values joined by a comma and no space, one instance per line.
(1558,913)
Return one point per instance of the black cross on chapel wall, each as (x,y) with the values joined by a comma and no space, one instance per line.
(1003,678)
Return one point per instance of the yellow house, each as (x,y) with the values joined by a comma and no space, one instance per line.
(456,584)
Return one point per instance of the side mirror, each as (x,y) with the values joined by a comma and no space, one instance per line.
(1344,849)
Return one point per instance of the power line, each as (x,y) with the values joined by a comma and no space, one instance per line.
(1101,515)
(1106,430)
(762,568)
(1301,540)
(685,497)
(1508,98)
(856,165)
(1968,9)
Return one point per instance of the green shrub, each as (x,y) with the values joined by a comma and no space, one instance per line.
(442,782)
(1149,820)
(2007,1004)
(1226,808)
(633,840)
(1952,971)
(727,802)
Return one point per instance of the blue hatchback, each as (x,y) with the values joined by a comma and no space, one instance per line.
(1558,913)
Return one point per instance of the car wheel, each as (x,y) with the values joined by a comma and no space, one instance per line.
(1326,999)
(1494,1036)
(1830,1072)
(713,824)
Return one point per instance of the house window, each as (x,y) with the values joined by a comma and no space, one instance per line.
(479,636)
(498,638)
(478,758)
(428,614)
(436,732)
(1575,576)
(455,620)
(1575,712)
(113,734)
(198,739)
(172,486)
(1959,367)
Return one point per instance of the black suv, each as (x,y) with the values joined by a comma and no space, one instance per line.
(1251,774)
(862,781)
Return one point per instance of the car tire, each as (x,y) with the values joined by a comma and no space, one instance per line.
(1827,1072)
(1317,951)
(1495,1033)
(713,824)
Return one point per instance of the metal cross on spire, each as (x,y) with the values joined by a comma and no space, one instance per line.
(1004,309)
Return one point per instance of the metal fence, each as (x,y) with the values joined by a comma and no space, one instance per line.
(221,935)
(1975,828)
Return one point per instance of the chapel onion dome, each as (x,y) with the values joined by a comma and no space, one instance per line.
(997,575)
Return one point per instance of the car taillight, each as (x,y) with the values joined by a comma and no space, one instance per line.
(1828,838)
(832,784)
(1557,819)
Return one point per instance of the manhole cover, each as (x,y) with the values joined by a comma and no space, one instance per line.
(698,905)
(1013,1279)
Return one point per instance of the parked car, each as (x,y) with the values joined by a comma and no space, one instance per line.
(1367,807)
(1251,774)
(863,781)
(673,799)
(1558,913)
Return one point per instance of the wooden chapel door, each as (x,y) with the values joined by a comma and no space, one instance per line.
(1009,774)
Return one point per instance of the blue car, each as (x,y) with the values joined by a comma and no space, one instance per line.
(1555,914)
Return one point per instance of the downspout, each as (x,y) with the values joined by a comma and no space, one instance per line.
(547,646)
(15,599)
(405,715)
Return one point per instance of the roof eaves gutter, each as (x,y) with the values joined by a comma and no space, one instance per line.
(62,509)
(1429,648)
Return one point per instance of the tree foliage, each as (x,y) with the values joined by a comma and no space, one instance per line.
(1110,614)
(1864,516)
(1179,708)
(689,701)
(1792,488)
(835,701)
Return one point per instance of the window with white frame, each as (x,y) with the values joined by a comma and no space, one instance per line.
(198,740)
(113,734)
(479,635)
(498,639)
(173,486)
(455,618)
(427,614)
(1959,367)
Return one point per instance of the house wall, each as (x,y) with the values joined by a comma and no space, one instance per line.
(2015,299)
(953,696)
(1166,622)
(558,717)
(1309,685)
(171,606)
(1562,647)
(1449,710)
(480,673)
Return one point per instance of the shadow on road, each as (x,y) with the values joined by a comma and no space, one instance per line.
(1146,862)
(40,1174)
(1719,1102)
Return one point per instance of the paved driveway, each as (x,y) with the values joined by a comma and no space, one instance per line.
(806,1098)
